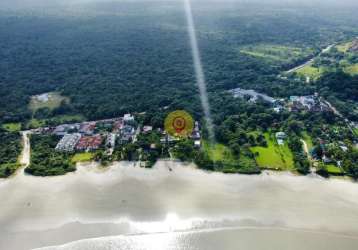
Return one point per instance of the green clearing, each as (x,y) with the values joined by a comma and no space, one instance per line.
(274,156)
(356,131)
(82,157)
(12,127)
(61,119)
(54,100)
(310,71)
(333,169)
(352,69)
(344,47)
(219,152)
(229,163)
(275,52)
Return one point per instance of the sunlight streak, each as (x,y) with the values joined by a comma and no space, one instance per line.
(199,73)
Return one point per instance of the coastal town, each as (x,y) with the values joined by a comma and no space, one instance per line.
(108,133)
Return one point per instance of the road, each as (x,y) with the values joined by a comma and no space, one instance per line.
(305,148)
(311,60)
(25,154)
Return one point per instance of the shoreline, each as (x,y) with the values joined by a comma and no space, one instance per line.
(99,168)
(124,199)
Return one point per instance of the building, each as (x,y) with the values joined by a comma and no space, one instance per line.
(111,140)
(118,125)
(128,118)
(147,129)
(68,142)
(127,133)
(87,128)
(280,137)
(89,143)
(65,128)
(197,143)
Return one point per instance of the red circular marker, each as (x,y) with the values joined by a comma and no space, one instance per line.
(179,124)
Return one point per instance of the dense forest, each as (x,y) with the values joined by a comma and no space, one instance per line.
(45,161)
(10,148)
(117,57)
(106,63)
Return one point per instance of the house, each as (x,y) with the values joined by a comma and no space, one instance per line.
(87,128)
(128,118)
(118,125)
(147,129)
(65,128)
(197,143)
(280,137)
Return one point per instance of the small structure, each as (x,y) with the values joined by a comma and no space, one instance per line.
(197,143)
(147,129)
(280,137)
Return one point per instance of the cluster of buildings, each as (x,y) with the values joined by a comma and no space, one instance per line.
(252,95)
(311,103)
(89,136)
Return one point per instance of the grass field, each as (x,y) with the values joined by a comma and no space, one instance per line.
(54,101)
(36,123)
(352,69)
(310,71)
(333,169)
(219,152)
(275,52)
(344,47)
(12,127)
(230,162)
(82,157)
(274,156)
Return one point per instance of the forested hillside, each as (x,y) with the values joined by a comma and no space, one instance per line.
(119,57)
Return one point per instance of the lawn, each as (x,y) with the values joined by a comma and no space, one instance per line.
(60,119)
(310,71)
(219,152)
(333,169)
(82,157)
(352,69)
(230,163)
(275,52)
(344,47)
(12,127)
(274,156)
(54,100)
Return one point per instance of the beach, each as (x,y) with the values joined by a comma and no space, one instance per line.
(100,208)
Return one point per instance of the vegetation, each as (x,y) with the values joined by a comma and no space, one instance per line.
(273,156)
(12,127)
(83,157)
(111,64)
(310,71)
(45,161)
(10,148)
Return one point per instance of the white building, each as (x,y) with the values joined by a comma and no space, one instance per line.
(128,118)
(68,142)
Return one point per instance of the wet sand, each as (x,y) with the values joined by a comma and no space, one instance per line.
(186,205)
